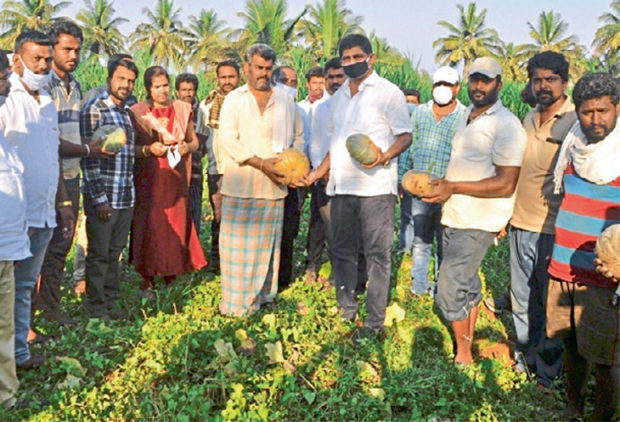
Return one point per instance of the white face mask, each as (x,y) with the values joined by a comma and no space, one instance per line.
(32,80)
(288,89)
(442,95)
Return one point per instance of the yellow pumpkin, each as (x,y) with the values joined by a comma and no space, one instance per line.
(293,165)
(417,183)
(608,249)
(115,137)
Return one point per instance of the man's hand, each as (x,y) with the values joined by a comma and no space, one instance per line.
(67,220)
(158,149)
(503,232)
(103,211)
(268,168)
(96,151)
(442,191)
(382,158)
(601,268)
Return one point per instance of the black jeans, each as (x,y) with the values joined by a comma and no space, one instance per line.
(214,259)
(318,230)
(363,223)
(290,227)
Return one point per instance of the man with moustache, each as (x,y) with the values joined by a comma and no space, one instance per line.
(434,124)
(319,231)
(109,192)
(364,196)
(65,91)
(207,126)
(29,121)
(583,299)
(533,220)
(315,83)
(478,197)
(257,122)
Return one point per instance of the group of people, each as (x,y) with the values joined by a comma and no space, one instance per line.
(551,182)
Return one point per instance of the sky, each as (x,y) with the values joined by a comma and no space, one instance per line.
(409,25)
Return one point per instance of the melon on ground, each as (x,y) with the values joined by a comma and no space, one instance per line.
(293,165)
(362,148)
(608,249)
(417,183)
(115,137)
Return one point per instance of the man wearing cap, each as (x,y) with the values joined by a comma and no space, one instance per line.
(433,129)
(478,197)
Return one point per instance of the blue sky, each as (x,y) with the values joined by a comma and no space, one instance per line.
(409,25)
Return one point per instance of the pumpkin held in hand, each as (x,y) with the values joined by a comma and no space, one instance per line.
(362,148)
(417,183)
(608,249)
(115,137)
(293,165)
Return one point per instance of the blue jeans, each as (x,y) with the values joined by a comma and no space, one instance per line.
(426,225)
(26,274)
(406,224)
(529,257)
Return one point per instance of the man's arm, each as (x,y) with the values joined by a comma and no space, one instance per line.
(85,149)
(89,118)
(502,185)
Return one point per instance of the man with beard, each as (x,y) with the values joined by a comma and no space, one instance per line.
(315,82)
(319,230)
(65,91)
(583,300)
(109,192)
(478,197)
(29,121)
(257,123)
(533,220)
(207,125)
(364,196)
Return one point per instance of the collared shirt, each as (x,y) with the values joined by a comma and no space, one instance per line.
(101,92)
(536,206)
(246,132)
(14,241)
(109,179)
(432,140)
(494,138)
(68,106)
(214,157)
(309,107)
(318,146)
(32,128)
(379,111)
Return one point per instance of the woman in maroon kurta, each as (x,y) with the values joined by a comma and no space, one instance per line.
(164,241)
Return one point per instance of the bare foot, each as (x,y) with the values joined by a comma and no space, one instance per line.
(80,288)
(464,358)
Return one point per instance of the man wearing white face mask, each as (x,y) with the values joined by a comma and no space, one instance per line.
(29,121)
(433,128)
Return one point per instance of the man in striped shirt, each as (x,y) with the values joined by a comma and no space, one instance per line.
(580,301)
(108,191)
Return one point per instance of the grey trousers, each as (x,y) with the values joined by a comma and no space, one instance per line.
(368,223)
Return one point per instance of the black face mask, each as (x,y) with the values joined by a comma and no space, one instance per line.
(356,70)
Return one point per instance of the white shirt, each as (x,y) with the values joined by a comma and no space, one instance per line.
(32,128)
(318,145)
(378,110)
(494,138)
(14,241)
(309,107)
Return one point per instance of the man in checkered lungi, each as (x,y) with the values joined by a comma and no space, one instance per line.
(257,122)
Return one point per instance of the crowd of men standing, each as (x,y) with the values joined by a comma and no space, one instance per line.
(491,174)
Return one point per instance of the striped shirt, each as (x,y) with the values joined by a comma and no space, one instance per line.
(109,179)
(587,209)
(68,105)
(432,140)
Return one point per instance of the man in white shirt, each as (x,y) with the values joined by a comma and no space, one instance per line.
(478,197)
(14,246)
(315,82)
(29,121)
(319,231)
(364,196)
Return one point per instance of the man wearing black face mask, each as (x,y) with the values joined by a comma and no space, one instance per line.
(478,192)
(364,196)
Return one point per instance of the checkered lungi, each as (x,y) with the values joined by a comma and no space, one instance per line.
(250,236)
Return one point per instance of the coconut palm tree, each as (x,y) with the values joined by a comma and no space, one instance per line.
(466,40)
(388,58)
(101,33)
(512,58)
(327,24)
(265,22)
(607,38)
(206,39)
(162,33)
(17,16)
